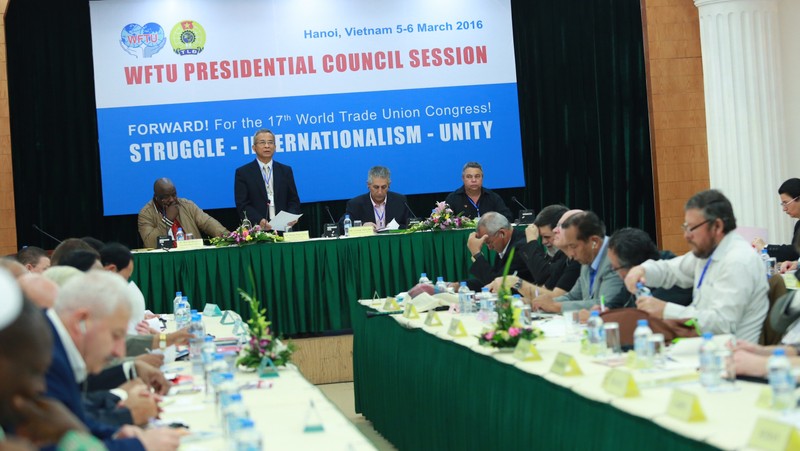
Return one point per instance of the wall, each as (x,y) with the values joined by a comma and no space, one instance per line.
(677,112)
(8,228)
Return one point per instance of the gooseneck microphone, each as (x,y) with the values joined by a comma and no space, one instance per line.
(410,210)
(514,198)
(45,233)
(330,214)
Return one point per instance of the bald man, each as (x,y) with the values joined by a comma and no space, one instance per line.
(39,289)
(166,212)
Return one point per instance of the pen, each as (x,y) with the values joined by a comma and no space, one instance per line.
(602,303)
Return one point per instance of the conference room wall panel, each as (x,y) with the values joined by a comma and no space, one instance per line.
(677,112)
(8,228)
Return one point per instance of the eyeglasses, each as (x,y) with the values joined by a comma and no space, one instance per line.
(687,229)
(787,202)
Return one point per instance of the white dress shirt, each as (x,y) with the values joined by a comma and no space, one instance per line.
(733,295)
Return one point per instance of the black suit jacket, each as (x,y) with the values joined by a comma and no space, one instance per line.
(360,208)
(489,201)
(250,192)
(485,272)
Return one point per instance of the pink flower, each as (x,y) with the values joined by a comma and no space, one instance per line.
(488,335)
(245,233)
(513,331)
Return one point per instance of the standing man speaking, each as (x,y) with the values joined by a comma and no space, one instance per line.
(263,188)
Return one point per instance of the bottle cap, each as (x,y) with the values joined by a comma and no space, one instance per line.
(423,275)
(440,279)
(779,352)
(641,322)
(463,284)
(708,336)
(596,313)
(196,317)
(209,338)
(485,290)
(178,294)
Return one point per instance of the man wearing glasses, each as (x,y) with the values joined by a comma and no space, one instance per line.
(379,207)
(727,276)
(166,212)
(789,193)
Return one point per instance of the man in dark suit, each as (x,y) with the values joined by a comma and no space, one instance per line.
(89,324)
(379,206)
(496,232)
(263,188)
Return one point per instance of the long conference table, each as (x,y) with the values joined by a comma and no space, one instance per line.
(424,389)
(306,287)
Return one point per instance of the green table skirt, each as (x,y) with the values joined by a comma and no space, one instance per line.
(306,287)
(422,392)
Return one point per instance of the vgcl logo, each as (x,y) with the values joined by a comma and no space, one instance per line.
(142,41)
(187,38)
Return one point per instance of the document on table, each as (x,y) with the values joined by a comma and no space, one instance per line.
(280,221)
(390,226)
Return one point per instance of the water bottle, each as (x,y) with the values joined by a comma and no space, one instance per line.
(175,302)
(709,362)
(224,386)
(183,317)
(464,298)
(179,236)
(208,350)
(233,410)
(597,336)
(247,438)
(423,278)
(347,224)
(196,343)
(441,286)
(641,344)
(769,262)
(516,306)
(781,381)
(642,291)
(216,367)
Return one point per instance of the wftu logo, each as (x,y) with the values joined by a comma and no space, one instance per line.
(142,41)
(187,38)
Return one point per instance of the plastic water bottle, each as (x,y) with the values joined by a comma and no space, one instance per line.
(183,315)
(247,438)
(597,335)
(769,262)
(781,381)
(214,368)
(423,278)
(347,224)
(233,410)
(642,291)
(641,344)
(709,362)
(208,350)
(175,302)
(464,298)
(179,236)
(441,286)
(224,386)
(198,330)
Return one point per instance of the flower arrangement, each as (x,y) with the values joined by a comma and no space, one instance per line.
(244,234)
(262,343)
(443,218)
(507,331)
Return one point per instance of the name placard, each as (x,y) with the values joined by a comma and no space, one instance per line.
(196,243)
(620,383)
(432,319)
(774,435)
(295,237)
(565,365)
(212,310)
(526,351)
(410,312)
(456,328)
(362,231)
(391,304)
(685,406)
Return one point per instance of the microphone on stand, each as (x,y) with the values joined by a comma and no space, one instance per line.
(45,233)
(413,219)
(331,230)
(526,215)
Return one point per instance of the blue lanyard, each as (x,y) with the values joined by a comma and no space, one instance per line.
(267,180)
(378,215)
(477,208)
(703,274)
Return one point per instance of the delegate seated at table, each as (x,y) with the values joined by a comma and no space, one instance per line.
(166,212)
(378,207)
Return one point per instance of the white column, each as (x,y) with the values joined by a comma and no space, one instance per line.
(740,43)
